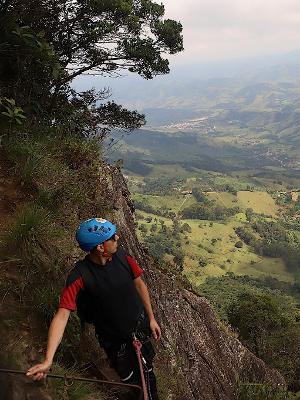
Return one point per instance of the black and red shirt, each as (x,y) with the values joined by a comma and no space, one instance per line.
(115,298)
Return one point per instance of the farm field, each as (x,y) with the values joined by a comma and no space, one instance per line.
(223,256)
(260,202)
(172,202)
(224,198)
(214,243)
(212,247)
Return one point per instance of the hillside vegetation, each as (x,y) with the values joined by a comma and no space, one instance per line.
(230,252)
(52,173)
(217,199)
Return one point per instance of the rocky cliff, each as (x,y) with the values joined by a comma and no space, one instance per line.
(208,360)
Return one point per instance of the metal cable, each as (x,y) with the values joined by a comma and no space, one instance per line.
(72,378)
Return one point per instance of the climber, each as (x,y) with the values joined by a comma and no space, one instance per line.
(114,298)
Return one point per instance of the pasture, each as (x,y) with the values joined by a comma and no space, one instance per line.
(260,202)
(213,243)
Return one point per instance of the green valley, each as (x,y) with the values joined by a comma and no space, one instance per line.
(217,201)
(227,166)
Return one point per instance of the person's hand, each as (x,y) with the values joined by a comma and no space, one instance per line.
(155,329)
(39,371)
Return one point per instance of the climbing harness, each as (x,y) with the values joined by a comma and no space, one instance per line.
(68,381)
(137,346)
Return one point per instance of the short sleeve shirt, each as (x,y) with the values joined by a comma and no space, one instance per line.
(75,283)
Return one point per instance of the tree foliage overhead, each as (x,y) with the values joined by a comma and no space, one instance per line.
(102,35)
(44,45)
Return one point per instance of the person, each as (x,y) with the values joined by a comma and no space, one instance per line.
(117,300)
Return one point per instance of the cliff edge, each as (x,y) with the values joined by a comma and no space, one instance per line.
(198,358)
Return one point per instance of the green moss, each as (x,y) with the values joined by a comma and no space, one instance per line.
(253,391)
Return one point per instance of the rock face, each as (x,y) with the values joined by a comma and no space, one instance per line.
(209,360)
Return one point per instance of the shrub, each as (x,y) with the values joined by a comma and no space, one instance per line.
(202,263)
(239,244)
(32,230)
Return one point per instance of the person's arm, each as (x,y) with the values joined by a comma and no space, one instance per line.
(144,294)
(55,335)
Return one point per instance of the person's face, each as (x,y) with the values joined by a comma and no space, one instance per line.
(111,245)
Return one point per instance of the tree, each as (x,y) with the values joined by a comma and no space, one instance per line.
(103,36)
(46,44)
(239,244)
(202,262)
(199,195)
(249,214)
(258,304)
(185,228)
(179,259)
(246,235)
(256,316)
(153,228)
(143,229)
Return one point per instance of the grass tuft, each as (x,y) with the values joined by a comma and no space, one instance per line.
(75,390)
(32,229)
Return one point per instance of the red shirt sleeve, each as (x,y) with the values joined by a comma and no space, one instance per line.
(70,293)
(136,269)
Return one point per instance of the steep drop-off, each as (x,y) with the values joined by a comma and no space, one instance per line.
(198,359)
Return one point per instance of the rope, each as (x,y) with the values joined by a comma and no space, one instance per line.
(69,379)
(137,346)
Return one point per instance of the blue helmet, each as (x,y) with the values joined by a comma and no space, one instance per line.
(94,231)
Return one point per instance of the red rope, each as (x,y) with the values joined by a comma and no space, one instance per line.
(137,346)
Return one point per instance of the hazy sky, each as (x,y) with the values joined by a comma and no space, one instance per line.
(223,29)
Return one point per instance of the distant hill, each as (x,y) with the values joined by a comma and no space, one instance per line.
(199,88)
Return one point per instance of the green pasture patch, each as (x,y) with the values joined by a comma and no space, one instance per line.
(265,266)
(225,199)
(214,242)
(240,217)
(170,171)
(173,202)
(140,235)
(167,221)
(260,202)
(237,181)
(222,256)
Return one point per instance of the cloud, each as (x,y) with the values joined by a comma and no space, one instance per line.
(220,29)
